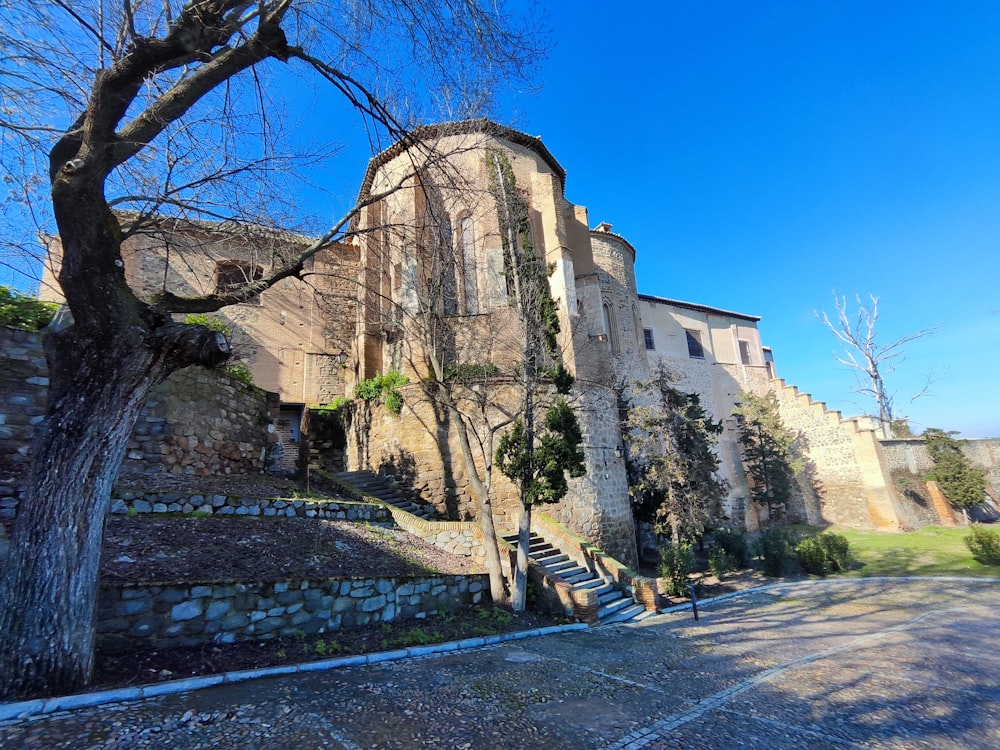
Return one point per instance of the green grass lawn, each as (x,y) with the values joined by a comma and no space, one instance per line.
(930,551)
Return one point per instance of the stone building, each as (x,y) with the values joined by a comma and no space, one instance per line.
(428,257)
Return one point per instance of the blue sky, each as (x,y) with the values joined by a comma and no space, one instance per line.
(762,155)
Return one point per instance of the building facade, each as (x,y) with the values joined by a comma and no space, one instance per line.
(424,279)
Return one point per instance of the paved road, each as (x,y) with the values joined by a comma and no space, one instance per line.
(840,664)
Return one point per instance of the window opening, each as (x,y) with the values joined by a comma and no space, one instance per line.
(647,335)
(695,348)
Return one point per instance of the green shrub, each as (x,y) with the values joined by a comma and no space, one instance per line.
(211,322)
(239,371)
(24,311)
(384,388)
(984,544)
(774,549)
(837,550)
(721,562)
(813,557)
(733,541)
(677,562)
(824,553)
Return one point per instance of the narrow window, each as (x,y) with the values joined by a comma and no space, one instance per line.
(609,326)
(744,352)
(695,349)
(647,335)
(471,288)
(449,277)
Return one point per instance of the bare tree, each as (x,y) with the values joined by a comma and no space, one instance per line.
(163,106)
(871,360)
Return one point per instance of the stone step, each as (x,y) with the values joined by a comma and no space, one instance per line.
(609,596)
(550,558)
(634,613)
(558,568)
(575,575)
(613,607)
(591,583)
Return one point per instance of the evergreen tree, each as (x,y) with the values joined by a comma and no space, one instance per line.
(537,461)
(963,484)
(673,463)
(766,448)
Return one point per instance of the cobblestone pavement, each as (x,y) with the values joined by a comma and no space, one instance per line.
(855,664)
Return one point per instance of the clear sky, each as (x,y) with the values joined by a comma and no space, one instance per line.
(760,155)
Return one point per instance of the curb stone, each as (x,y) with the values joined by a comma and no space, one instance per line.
(44,706)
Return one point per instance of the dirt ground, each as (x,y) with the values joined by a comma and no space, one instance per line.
(147,548)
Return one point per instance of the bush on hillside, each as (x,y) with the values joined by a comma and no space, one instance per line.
(24,311)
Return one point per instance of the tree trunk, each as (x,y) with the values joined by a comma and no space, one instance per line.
(498,589)
(521,569)
(49,589)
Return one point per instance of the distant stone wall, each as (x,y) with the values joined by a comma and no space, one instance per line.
(165,615)
(910,455)
(197,422)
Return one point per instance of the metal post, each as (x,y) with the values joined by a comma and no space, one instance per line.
(694,602)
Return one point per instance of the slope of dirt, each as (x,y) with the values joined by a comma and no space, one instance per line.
(150,548)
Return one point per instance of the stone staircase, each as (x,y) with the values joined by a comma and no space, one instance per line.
(385,490)
(615,603)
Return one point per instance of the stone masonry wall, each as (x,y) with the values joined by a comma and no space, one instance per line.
(426,460)
(910,455)
(23,386)
(124,502)
(197,422)
(845,463)
(165,615)
(202,423)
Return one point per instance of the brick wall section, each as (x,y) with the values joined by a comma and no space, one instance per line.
(197,422)
(845,460)
(165,615)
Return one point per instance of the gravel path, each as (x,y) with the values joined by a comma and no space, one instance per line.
(838,664)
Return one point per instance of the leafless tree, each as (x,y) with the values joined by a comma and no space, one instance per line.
(871,360)
(170,107)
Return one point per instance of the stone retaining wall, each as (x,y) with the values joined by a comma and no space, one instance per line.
(166,615)
(228,505)
(198,422)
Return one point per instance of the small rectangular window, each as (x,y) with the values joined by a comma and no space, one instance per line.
(695,349)
(647,335)
(744,352)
